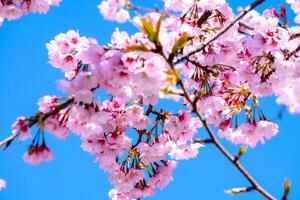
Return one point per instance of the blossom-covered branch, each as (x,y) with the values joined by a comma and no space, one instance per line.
(198,54)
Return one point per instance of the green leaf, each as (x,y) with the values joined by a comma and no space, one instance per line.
(139,47)
(148,28)
(180,42)
(157,29)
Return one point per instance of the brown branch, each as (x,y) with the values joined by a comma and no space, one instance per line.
(8,141)
(215,141)
(220,147)
(203,141)
(35,119)
(293,52)
(222,31)
(234,191)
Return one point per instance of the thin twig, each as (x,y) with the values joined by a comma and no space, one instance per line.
(35,119)
(216,142)
(293,52)
(222,31)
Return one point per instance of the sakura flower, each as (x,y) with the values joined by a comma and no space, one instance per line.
(53,126)
(136,117)
(163,175)
(250,134)
(15,9)
(150,153)
(21,128)
(47,103)
(182,127)
(183,151)
(37,154)
(81,87)
(178,5)
(114,10)
(2,184)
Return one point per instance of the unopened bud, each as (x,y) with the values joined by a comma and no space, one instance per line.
(235,191)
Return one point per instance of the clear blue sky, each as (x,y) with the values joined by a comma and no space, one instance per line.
(25,76)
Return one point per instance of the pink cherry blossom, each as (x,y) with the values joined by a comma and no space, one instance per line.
(11,10)
(47,103)
(114,10)
(162,177)
(174,56)
(21,128)
(37,154)
(250,134)
(2,184)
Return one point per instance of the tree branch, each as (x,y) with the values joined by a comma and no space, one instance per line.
(219,146)
(35,119)
(222,31)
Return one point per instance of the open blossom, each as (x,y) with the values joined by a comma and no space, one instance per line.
(136,117)
(56,127)
(151,153)
(183,151)
(37,154)
(21,128)
(80,87)
(163,175)
(182,127)
(134,142)
(250,134)
(11,10)
(114,10)
(178,5)
(2,184)
(47,103)
(61,51)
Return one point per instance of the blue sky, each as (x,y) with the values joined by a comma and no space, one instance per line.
(25,77)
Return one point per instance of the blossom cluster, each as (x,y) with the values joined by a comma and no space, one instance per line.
(14,9)
(137,144)
(114,10)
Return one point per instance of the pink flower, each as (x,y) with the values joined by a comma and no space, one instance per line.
(178,5)
(136,117)
(47,103)
(151,153)
(15,9)
(114,10)
(40,6)
(183,151)
(2,184)
(163,175)
(11,12)
(58,129)
(37,154)
(21,128)
(183,127)
(250,134)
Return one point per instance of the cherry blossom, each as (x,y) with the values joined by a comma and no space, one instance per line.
(37,154)
(15,9)
(114,10)
(200,54)
(2,184)
(21,128)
